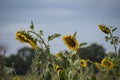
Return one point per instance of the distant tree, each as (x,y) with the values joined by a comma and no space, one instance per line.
(3,71)
(94,52)
(2,62)
(119,52)
(21,61)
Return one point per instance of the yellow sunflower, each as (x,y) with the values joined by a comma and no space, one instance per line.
(70,42)
(24,37)
(32,44)
(83,63)
(104,29)
(16,78)
(21,37)
(98,65)
(57,55)
(107,63)
(57,68)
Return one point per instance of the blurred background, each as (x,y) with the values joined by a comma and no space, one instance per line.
(57,16)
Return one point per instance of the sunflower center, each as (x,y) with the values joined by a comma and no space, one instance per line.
(82,63)
(70,41)
(107,63)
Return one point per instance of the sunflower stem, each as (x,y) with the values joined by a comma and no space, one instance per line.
(40,38)
(114,45)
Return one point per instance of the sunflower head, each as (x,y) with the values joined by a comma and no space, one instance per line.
(57,68)
(16,78)
(83,63)
(107,63)
(104,29)
(24,37)
(97,65)
(21,37)
(70,41)
(57,55)
(33,44)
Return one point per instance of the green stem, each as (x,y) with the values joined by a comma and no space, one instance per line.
(114,45)
(40,38)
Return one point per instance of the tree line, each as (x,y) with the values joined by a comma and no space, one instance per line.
(21,62)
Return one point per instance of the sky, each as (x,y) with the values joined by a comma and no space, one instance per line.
(58,16)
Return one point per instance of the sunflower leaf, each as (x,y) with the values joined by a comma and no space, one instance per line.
(114,29)
(111,27)
(53,36)
(41,33)
(76,63)
(47,75)
(74,35)
(93,77)
(32,26)
(62,75)
(107,38)
(82,44)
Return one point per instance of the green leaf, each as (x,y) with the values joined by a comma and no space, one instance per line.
(73,57)
(47,76)
(32,26)
(116,41)
(82,44)
(77,63)
(50,65)
(114,29)
(53,36)
(107,38)
(111,27)
(70,74)
(41,33)
(112,42)
(62,75)
(93,77)
(74,35)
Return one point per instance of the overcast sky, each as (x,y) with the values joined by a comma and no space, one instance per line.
(58,16)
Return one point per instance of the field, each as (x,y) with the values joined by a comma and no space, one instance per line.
(67,65)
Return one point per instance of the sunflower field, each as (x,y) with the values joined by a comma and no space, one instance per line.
(68,66)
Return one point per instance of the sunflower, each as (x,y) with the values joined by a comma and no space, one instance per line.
(70,42)
(16,78)
(32,44)
(57,55)
(83,63)
(104,29)
(107,63)
(24,37)
(57,68)
(98,65)
(21,37)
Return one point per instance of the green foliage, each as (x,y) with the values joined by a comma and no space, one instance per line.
(62,75)
(88,63)
(93,77)
(41,33)
(82,44)
(74,35)
(32,26)
(114,29)
(53,36)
